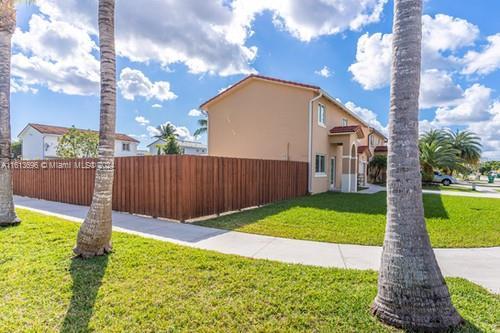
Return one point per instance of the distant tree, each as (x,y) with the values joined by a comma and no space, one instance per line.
(436,152)
(448,151)
(171,147)
(165,131)
(203,127)
(467,143)
(377,164)
(17,149)
(78,144)
(488,166)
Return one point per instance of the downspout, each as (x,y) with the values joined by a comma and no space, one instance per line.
(310,120)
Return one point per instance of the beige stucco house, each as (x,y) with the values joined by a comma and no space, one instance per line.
(267,118)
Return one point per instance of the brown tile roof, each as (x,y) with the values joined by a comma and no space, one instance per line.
(255,76)
(380,149)
(345,129)
(58,130)
(362,149)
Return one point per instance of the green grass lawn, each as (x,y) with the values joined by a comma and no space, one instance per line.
(151,286)
(360,219)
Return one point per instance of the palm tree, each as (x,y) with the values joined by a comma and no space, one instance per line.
(165,131)
(437,154)
(203,123)
(94,236)
(7,26)
(467,144)
(412,293)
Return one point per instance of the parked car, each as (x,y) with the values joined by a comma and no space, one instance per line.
(443,179)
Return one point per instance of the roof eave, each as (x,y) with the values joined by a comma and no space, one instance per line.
(343,107)
(231,89)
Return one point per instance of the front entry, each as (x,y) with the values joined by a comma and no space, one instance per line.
(333,172)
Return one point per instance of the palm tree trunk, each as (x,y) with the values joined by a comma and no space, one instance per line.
(7,26)
(94,237)
(412,293)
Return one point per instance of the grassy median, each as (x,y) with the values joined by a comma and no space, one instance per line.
(360,219)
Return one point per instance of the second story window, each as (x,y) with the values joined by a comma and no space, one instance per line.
(343,122)
(126,146)
(372,140)
(321,114)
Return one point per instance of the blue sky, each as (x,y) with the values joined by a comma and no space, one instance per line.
(177,54)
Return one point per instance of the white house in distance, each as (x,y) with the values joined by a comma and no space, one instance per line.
(40,142)
(188,147)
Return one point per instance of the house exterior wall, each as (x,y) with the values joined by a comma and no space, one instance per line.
(37,146)
(267,120)
(260,120)
(120,152)
(321,144)
(32,148)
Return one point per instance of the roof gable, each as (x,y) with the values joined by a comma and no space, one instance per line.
(253,77)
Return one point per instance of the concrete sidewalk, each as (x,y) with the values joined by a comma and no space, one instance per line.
(481,265)
(493,194)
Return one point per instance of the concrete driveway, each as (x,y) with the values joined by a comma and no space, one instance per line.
(481,265)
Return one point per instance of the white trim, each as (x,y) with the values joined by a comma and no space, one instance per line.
(309,153)
(320,175)
(322,123)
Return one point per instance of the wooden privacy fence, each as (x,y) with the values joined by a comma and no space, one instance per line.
(175,187)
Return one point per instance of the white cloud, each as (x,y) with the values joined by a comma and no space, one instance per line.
(209,36)
(426,126)
(324,72)
(473,106)
(195,113)
(306,19)
(17,86)
(441,35)
(373,61)
(438,89)
(152,131)
(134,83)
(443,32)
(56,55)
(367,115)
(156,106)
(191,32)
(489,132)
(142,120)
(486,61)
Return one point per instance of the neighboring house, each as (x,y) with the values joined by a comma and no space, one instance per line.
(188,147)
(41,141)
(267,118)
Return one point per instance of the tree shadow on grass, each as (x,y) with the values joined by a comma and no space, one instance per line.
(366,204)
(467,327)
(87,278)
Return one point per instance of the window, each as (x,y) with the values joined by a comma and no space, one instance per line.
(126,146)
(372,140)
(320,165)
(343,122)
(321,114)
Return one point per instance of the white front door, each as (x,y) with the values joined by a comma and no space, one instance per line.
(333,171)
